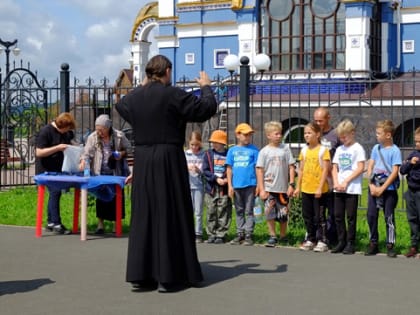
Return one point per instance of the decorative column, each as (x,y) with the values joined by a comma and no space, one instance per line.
(358,14)
(140,51)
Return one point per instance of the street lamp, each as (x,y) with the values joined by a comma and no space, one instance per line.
(7,45)
(231,62)
(16,51)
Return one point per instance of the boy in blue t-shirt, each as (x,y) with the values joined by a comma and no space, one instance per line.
(242,182)
(383,167)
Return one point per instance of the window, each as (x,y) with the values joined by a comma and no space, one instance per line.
(303,34)
(219,57)
(189,58)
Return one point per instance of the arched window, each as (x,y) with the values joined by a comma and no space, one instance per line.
(303,34)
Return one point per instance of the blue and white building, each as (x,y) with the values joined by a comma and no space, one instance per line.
(320,44)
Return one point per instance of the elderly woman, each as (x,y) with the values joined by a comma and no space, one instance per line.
(106,149)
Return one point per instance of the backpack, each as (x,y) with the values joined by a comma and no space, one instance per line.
(320,153)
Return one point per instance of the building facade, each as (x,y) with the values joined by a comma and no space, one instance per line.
(335,53)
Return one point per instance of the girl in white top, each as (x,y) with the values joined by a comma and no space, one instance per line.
(348,165)
(195,156)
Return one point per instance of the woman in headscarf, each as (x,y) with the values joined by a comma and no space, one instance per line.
(106,150)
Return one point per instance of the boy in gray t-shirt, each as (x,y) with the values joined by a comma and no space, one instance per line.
(275,180)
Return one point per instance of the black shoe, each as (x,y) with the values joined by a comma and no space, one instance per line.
(283,240)
(211,239)
(372,249)
(99,231)
(170,287)
(339,248)
(49,227)
(390,251)
(61,229)
(145,285)
(219,240)
(349,249)
(272,242)
(238,239)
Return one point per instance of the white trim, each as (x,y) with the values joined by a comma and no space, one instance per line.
(410,17)
(207,30)
(167,43)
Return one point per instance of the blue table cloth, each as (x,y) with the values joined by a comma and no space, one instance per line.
(101,186)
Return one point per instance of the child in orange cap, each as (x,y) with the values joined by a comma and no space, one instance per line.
(241,162)
(219,205)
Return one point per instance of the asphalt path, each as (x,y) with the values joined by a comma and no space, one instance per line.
(63,275)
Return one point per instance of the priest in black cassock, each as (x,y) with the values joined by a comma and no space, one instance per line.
(161,248)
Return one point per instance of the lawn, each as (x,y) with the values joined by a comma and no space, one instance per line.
(18,207)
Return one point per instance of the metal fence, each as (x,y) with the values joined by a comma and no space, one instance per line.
(27,104)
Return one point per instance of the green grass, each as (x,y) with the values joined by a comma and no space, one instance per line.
(18,207)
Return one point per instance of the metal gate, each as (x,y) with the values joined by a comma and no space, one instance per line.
(23,110)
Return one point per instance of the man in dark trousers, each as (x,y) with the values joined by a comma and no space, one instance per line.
(330,140)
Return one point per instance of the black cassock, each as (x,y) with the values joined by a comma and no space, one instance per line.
(161,244)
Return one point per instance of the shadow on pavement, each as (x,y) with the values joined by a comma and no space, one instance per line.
(20,286)
(214,272)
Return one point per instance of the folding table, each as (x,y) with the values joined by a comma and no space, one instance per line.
(81,185)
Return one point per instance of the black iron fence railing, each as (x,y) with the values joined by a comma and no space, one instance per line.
(365,98)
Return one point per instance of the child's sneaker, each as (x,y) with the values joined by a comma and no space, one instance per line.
(412,252)
(198,239)
(349,249)
(272,241)
(321,247)
(211,239)
(307,245)
(219,240)
(390,251)
(339,248)
(238,239)
(283,240)
(248,240)
(372,249)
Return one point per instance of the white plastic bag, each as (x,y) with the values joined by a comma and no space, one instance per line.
(71,159)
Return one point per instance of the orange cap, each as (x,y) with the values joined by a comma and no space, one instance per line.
(244,129)
(218,136)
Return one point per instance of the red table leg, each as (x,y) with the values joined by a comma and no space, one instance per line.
(40,207)
(76,210)
(118,215)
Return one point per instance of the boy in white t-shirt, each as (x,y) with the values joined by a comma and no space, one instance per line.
(275,180)
(348,165)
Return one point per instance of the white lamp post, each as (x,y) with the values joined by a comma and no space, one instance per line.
(231,62)
(5,45)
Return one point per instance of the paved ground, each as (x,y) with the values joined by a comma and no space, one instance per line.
(62,275)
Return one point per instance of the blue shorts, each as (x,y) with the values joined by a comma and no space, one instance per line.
(276,207)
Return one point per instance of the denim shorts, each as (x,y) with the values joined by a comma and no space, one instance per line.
(276,207)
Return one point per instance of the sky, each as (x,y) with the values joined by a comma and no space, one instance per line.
(92,36)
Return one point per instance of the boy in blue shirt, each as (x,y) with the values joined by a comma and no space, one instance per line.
(383,168)
(242,182)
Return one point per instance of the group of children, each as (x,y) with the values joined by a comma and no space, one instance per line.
(242,173)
